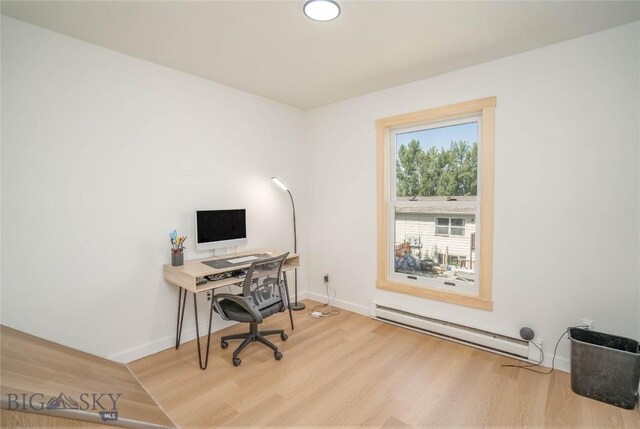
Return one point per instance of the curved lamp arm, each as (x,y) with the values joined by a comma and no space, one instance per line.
(297,306)
(295,234)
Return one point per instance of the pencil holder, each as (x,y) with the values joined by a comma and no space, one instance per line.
(177,259)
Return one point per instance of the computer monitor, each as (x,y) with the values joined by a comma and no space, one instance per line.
(220,228)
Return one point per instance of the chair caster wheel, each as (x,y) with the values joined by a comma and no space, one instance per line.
(277,355)
(224,344)
(284,337)
(236,361)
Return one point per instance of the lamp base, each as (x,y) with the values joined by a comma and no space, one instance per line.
(297,306)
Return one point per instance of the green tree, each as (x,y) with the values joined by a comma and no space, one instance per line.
(447,178)
(408,169)
(429,172)
(444,172)
(468,172)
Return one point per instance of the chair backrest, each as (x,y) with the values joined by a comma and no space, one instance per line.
(262,282)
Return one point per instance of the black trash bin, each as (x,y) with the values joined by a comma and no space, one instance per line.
(605,367)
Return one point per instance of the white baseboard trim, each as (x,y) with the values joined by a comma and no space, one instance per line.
(561,363)
(302,295)
(170,341)
(167,342)
(345,305)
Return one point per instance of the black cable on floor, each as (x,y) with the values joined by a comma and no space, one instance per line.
(553,361)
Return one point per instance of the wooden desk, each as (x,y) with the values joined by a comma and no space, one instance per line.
(186,277)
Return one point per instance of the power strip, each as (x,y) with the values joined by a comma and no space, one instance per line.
(316,314)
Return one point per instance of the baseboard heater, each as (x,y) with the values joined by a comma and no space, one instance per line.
(490,341)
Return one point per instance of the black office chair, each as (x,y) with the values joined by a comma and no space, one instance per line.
(263,294)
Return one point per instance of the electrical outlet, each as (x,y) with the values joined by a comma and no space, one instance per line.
(588,323)
(326,277)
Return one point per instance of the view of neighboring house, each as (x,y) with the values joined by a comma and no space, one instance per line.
(439,238)
(444,238)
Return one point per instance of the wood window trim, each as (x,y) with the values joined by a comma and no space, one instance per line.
(485,107)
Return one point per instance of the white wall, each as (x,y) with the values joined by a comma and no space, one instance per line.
(102,156)
(566,192)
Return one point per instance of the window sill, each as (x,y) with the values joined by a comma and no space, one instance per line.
(438,295)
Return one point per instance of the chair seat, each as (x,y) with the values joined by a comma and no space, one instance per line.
(235,312)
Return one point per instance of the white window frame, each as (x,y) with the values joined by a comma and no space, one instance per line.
(394,203)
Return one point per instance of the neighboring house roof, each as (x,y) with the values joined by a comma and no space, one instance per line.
(464,198)
(436,209)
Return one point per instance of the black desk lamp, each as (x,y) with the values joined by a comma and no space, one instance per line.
(297,306)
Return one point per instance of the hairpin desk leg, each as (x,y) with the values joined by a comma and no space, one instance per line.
(180,315)
(195,309)
(286,288)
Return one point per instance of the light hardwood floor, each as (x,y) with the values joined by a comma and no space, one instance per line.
(33,365)
(350,370)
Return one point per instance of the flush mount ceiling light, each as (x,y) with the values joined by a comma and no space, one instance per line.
(321,10)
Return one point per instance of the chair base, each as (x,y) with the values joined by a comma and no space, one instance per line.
(251,337)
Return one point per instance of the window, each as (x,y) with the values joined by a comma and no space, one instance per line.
(433,177)
(448,226)
(435,199)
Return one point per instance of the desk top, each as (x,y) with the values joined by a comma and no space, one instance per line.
(186,275)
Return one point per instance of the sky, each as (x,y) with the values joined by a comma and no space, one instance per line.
(440,137)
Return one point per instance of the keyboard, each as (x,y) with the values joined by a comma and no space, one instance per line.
(243,259)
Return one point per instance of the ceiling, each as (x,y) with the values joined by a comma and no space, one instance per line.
(271,49)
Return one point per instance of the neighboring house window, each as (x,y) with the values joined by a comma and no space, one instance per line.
(449,226)
(435,178)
